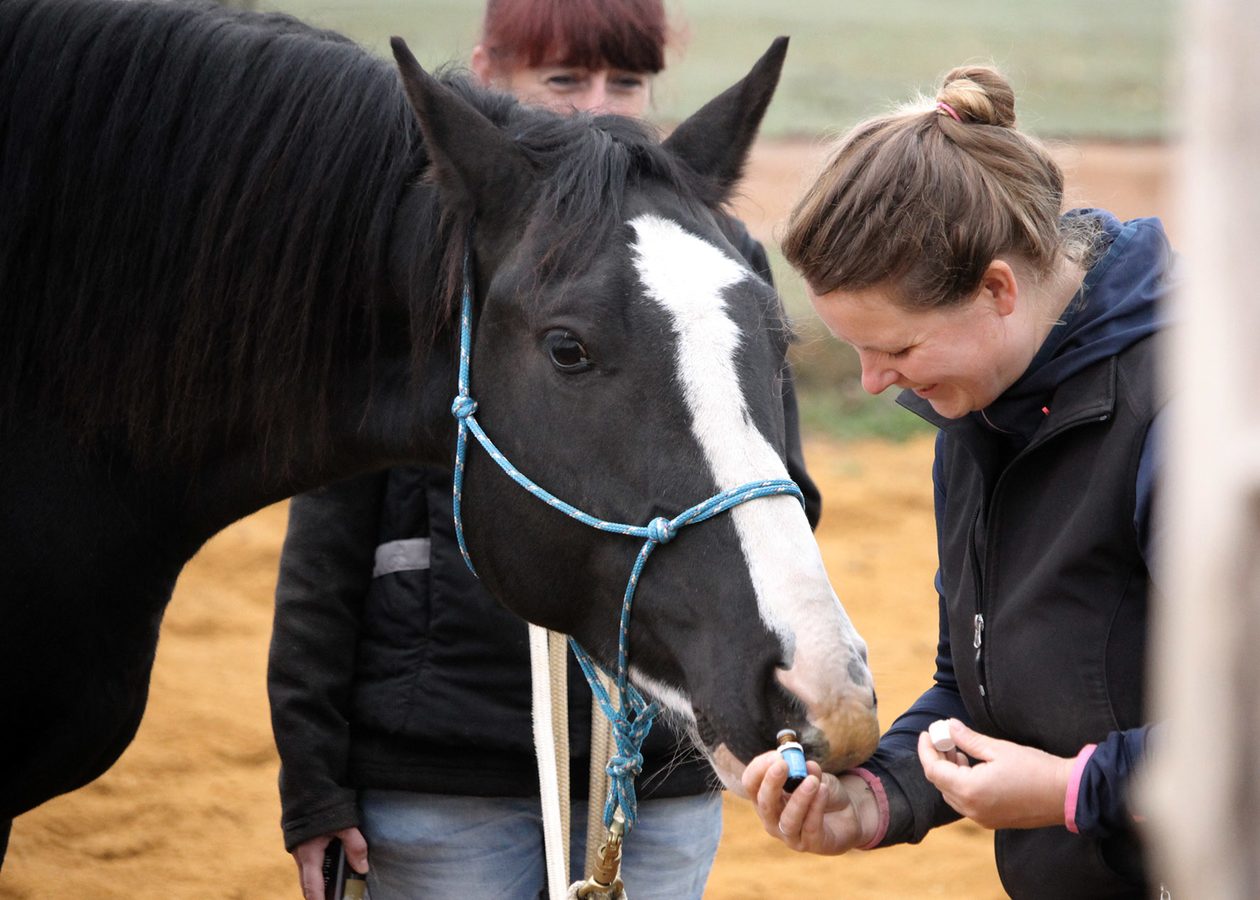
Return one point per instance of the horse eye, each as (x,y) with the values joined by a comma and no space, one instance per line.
(567,352)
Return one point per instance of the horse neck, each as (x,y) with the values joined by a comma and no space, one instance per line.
(385,408)
(381,418)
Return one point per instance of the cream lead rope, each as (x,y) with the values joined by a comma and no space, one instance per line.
(551,747)
(602,864)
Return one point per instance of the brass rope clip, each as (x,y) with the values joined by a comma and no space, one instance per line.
(606,879)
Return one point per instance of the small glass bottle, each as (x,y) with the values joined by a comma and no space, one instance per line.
(794,755)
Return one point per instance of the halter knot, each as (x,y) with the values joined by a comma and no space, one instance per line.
(625,766)
(661,530)
(463,406)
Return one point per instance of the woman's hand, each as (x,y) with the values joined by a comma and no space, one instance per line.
(1009,786)
(827,815)
(309,857)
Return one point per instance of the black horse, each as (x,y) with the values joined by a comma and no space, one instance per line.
(230,247)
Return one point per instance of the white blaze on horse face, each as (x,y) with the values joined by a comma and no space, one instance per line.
(687,276)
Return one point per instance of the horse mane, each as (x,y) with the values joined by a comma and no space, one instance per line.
(194,167)
(140,295)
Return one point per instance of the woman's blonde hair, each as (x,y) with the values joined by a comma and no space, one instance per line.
(924,199)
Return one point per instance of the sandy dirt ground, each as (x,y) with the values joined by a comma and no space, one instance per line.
(190,811)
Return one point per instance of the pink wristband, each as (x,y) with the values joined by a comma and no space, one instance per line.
(1074,787)
(881,803)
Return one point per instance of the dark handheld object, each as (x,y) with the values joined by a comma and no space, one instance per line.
(794,755)
(340,881)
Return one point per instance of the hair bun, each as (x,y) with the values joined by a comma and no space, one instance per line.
(979,94)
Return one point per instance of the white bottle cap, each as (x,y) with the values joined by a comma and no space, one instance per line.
(938,731)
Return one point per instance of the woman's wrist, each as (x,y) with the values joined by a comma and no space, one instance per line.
(1072,793)
(871,802)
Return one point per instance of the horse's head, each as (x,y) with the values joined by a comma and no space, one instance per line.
(628,360)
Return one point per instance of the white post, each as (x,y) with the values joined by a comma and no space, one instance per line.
(1203,786)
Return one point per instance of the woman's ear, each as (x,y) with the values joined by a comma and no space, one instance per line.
(1002,287)
(481,65)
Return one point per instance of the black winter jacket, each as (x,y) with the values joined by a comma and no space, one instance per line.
(392,668)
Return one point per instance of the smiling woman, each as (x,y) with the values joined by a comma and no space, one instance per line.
(954,313)
(935,243)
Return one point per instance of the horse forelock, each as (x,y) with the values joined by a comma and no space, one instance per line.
(197,203)
(587,167)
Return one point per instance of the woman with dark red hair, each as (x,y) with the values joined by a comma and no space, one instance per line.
(585,55)
(400,690)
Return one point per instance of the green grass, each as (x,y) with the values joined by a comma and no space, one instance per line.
(1079,67)
(847,414)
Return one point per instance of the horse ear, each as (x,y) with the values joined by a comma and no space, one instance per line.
(715,141)
(476,166)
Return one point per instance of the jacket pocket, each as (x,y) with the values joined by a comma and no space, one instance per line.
(394,636)
(1054,864)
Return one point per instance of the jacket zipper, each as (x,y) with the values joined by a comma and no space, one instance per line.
(977,621)
(977,638)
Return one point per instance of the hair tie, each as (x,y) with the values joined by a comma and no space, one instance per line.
(953,113)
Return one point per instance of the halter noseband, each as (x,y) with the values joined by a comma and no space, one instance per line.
(632,717)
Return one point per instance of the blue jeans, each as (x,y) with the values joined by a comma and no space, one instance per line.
(436,847)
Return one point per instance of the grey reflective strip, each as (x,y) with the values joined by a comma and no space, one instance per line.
(401,556)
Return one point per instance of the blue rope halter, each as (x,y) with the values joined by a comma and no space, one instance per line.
(632,717)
